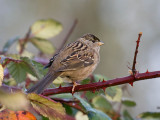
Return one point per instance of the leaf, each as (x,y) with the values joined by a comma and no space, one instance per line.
(93,114)
(81,116)
(14,101)
(101,103)
(16,115)
(1,74)
(47,107)
(19,70)
(46,28)
(129,103)
(63,96)
(150,115)
(126,115)
(114,94)
(90,95)
(8,44)
(111,91)
(36,69)
(43,45)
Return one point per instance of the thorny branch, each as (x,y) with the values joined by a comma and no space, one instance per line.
(103,84)
(135,54)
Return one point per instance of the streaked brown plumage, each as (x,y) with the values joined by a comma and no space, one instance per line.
(76,61)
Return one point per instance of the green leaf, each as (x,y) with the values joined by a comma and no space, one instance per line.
(36,69)
(18,70)
(101,103)
(47,107)
(150,115)
(9,43)
(43,45)
(126,115)
(93,114)
(63,96)
(114,93)
(111,91)
(129,103)
(46,28)
(90,95)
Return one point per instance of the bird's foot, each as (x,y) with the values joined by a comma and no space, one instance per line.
(74,85)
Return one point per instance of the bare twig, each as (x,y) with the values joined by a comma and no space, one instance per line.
(9,88)
(68,35)
(24,41)
(135,54)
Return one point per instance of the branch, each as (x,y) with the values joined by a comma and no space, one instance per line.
(103,84)
(9,89)
(68,35)
(135,54)
(71,103)
(24,41)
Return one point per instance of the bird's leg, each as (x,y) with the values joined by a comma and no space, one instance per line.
(74,85)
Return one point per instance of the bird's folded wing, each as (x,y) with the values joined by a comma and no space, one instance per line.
(77,60)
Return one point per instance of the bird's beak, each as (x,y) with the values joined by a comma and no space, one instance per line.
(100,43)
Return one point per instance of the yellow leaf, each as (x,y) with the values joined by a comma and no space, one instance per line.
(43,45)
(46,28)
(14,101)
(47,107)
(1,74)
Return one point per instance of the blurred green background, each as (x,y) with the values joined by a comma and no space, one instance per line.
(116,23)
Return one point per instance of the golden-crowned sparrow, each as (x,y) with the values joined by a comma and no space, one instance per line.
(76,61)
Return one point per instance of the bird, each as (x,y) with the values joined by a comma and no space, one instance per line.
(74,62)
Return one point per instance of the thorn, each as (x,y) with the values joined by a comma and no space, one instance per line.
(131,83)
(104,88)
(147,71)
(93,91)
(60,86)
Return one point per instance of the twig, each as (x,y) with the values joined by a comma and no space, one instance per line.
(71,103)
(76,106)
(103,84)
(24,41)
(9,88)
(135,54)
(68,35)
(8,60)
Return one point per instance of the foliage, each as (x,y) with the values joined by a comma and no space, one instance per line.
(16,115)
(24,70)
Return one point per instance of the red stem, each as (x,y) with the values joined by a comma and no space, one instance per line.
(103,84)
(135,54)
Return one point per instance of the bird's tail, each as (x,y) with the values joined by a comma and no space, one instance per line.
(44,83)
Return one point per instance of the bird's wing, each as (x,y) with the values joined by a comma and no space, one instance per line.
(76,60)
